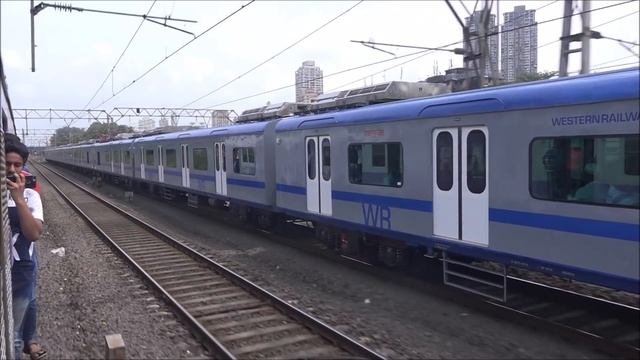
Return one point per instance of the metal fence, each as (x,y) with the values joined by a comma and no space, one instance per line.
(6,314)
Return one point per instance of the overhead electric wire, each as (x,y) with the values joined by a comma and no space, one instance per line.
(274,56)
(176,51)
(415,53)
(326,76)
(121,55)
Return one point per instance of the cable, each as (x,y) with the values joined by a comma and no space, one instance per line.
(415,53)
(607,67)
(336,73)
(176,51)
(621,41)
(274,56)
(121,55)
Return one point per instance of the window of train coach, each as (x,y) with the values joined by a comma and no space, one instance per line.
(376,164)
(224,158)
(200,160)
(170,158)
(107,157)
(444,158)
(116,156)
(149,158)
(126,157)
(586,169)
(476,162)
(311,159)
(326,159)
(244,161)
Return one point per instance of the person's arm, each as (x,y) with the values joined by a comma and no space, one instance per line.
(30,226)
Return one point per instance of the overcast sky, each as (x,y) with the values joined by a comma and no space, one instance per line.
(75,51)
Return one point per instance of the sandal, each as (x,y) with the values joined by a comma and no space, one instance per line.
(38,354)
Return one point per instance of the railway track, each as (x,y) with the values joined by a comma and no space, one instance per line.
(232,317)
(603,325)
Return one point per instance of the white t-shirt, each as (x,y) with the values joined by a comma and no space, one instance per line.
(34,203)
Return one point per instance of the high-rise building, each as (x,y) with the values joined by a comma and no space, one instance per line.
(146,124)
(308,81)
(491,58)
(519,47)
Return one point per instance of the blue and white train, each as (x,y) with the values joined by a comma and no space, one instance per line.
(541,175)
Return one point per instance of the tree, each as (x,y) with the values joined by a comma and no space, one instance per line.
(533,76)
(66,135)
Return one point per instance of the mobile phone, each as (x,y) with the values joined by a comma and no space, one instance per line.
(29,180)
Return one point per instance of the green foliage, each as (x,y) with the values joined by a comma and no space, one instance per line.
(532,76)
(97,131)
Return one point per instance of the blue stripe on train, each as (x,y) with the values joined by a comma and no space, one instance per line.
(246,183)
(610,229)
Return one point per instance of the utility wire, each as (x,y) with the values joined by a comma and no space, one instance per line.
(326,76)
(176,51)
(593,27)
(609,66)
(419,52)
(621,41)
(121,55)
(452,50)
(274,56)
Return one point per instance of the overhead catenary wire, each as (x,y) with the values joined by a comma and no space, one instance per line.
(110,73)
(443,47)
(275,55)
(176,51)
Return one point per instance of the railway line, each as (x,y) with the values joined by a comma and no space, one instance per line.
(233,317)
(604,325)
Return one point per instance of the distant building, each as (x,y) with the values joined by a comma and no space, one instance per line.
(519,47)
(308,81)
(146,124)
(163,122)
(491,59)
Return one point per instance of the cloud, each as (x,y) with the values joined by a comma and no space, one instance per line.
(12,59)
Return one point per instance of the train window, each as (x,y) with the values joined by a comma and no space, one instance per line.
(224,159)
(116,156)
(107,157)
(149,157)
(586,169)
(244,160)
(476,162)
(326,159)
(631,156)
(365,160)
(87,157)
(126,158)
(200,160)
(311,159)
(170,158)
(98,157)
(444,161)
(217,151)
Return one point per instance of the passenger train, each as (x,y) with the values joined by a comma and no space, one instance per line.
(542,175)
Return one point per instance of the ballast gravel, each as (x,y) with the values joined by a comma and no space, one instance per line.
(85,296)
(86,292)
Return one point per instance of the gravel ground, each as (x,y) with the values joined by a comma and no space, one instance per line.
(89,293)
(395,320)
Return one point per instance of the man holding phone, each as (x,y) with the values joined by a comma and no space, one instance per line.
(26,220)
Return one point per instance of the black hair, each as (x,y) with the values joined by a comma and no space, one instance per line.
(13,145)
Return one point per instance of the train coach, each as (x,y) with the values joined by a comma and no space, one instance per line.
(542,175)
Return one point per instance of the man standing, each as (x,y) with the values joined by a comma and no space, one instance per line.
(26,220)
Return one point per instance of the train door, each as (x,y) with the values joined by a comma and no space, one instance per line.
(221,168)
(185,165)
(318,155)
(461,186)
(160,164)
(121,161)
(142,163)
(132,160)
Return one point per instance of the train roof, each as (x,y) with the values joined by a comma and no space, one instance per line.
(591,88)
